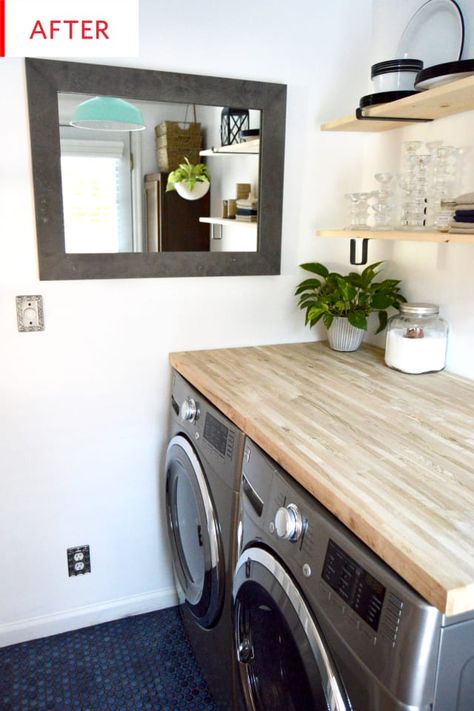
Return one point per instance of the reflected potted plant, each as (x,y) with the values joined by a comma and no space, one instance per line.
(344,302)
(191,181)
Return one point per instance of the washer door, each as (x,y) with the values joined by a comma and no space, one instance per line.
(284,663)
(194,532)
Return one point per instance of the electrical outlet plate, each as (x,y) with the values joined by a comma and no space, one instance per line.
(78,560)
(29,313)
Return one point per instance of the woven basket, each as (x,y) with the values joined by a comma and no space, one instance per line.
(175,141)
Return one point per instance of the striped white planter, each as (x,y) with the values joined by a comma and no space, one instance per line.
(343,336)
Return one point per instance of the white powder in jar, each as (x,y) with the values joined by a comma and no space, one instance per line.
(415,355)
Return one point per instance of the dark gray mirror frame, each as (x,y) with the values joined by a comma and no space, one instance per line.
(46,78)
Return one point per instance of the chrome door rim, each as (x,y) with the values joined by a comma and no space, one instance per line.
(335,696)
(212,528)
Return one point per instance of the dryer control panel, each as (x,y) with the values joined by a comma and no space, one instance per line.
(216,433)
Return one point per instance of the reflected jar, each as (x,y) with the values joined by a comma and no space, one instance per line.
(417,339)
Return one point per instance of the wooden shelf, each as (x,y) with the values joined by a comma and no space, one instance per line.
(229,223)
(244,148)
(401,235)
(452,98)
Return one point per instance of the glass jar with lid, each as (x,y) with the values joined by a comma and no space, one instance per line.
(416,339)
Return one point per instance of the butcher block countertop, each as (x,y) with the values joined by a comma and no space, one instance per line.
(390,454)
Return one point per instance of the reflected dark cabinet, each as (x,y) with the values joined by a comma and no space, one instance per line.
(172,224)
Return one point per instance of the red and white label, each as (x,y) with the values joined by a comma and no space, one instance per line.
(69,28)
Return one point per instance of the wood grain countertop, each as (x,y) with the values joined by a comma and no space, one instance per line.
(390,454)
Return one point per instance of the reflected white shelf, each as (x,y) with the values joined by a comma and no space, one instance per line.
(229,223)
(244,148)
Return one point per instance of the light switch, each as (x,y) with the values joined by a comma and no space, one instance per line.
(29,313)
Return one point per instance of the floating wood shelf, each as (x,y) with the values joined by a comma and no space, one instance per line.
(244,148)
(229,223)
(452,98)
(401,235)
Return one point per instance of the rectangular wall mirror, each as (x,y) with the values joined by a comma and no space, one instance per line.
(102,208)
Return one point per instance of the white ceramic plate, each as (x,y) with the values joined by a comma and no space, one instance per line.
(434,33)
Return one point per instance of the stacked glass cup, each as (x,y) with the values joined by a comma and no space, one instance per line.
(413,182)
(442,183)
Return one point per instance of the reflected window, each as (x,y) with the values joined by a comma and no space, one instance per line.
(97,195)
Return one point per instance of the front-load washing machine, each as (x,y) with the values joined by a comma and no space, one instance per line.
(322,624)
(203,467)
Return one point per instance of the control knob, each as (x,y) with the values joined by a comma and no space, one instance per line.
(189,410)
(289,523)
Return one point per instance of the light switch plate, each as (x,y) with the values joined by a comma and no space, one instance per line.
(29,313)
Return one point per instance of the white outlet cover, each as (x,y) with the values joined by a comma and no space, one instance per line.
(29,313)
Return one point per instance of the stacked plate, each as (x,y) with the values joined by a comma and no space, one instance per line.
(393,79)
(434,35)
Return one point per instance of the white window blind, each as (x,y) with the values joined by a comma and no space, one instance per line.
(96,196)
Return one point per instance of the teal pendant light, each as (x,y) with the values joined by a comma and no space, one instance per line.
(106,113)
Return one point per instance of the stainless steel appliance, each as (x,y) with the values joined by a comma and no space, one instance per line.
(321,623)
(203,466)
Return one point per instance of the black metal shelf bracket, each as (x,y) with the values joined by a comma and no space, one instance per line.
(360,117)
(365,250)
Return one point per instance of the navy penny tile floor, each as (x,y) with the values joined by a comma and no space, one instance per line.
(141,663)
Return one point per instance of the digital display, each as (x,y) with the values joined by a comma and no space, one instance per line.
(216,433)
(360,590)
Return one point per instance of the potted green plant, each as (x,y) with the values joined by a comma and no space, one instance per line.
(191,181)
(344,302)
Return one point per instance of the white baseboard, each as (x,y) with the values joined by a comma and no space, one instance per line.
(46,625)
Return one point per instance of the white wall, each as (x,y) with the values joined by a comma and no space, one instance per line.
(83,405)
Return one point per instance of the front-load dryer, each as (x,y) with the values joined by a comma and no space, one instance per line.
(203,468)
(323,624)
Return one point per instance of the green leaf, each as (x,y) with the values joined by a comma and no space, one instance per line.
(316,312)
(306,303)
(354,279)
(316,268)
(307,284)
(358,319)
(343,287)
(388,284)
(382,301)
(383,318)
(327,320)
(369,273)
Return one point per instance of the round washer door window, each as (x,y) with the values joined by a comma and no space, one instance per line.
(194,532)
(284,663)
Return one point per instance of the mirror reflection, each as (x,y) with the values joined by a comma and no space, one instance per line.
(114,183)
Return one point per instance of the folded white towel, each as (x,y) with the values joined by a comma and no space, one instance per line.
(462,225)
(464,198)
(464,206)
